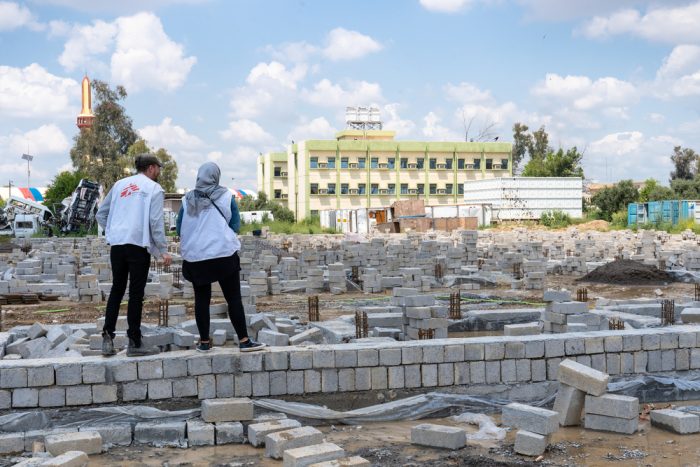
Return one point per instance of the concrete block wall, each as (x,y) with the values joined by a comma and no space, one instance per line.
(342,368)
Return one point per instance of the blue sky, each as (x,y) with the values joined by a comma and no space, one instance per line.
(225,80)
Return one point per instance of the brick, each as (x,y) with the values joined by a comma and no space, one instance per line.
(66,374)
(113,434)
(104,393)
(258,431)
(530,444)
(390,357)
(200,433)
(554,348)
(307,455)
(474,352)
(278,442)
(613,405)
(438,436)
(243,385)
(493,372)
(40,376)
(295,382)
(614,344)
(433,354)
(150,369)
(615,425)
(676,421)
(229,433)
(535,419)
(13,378)
(569,404)
(323,358)
(581,377)
(366,357)
(67,459)
(352,461)
(94,373)
(446,375)
(301,360)
(477,372)
(89,442)
(227,410)
(379,378)
(412,376)
(345,358)
(312,381)
(534,349)
(429,376)
(123,371)
(329,380)
(160,389)
(206,386)
(136,391)
(52,397)
(494,351)
(251,362)
(25,397)
(276,361)
(161,434)
(11,443)
(411,355)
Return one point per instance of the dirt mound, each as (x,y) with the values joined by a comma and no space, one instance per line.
(627,272)
(599,225)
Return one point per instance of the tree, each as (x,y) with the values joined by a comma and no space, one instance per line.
(61,187)
(615,198)
(261,203)
(522,140)
(686,189)
(539,144)
(556,164)
(100,152)
(685,161)
(168,174)
(652,191)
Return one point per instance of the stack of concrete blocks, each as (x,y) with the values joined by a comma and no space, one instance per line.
(314,280)
(563,315)
(371,281)
(274,287)
(102,270)
(469,239)
(89,289)
(177,314)
(412,277)
(420,313)
(289,268)
(534,424)
(574,265)
(691,260)
(165,282)
(257,280)
(534,274)
(337,279)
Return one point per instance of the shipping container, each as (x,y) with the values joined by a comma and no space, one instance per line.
(668,212)
(521,198)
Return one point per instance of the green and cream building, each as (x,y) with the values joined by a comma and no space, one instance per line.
(370,169)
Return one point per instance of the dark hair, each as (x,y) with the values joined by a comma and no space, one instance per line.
(145,160)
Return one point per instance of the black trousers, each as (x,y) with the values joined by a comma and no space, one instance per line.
(231,287)
(129,263)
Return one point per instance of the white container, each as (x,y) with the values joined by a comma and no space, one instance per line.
(521,198)
(481,211)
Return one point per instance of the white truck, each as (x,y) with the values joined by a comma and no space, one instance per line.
(24,218)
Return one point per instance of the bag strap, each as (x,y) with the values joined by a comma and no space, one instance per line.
(217,207)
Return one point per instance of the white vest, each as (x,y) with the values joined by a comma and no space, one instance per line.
(208,236)
(129,220)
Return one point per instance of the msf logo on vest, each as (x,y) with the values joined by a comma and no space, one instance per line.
(129,190)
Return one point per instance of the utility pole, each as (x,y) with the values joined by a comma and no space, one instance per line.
(28,158)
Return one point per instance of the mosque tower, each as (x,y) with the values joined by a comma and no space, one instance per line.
(86,116)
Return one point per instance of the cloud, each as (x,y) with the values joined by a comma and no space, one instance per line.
(392,121)
(583,93)
(33,92)
(294,52)
(343,44)
(446,6)
(269,86)
(679,76)
(15,16)
(276,73)
(318,128)
(46,140)
(118,7)
(142,54)
(246,131)
(673,25)
(327,94)
(174,138)
(467,93)
(433,130)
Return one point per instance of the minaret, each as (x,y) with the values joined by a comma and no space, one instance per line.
(86,116)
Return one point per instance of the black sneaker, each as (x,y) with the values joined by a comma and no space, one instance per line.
(107,345)
(137,349)
(251,346)
(204,346)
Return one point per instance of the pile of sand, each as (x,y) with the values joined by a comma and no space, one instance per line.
(627,272)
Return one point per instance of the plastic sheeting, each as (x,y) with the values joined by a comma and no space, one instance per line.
(410,408)
(688,382)
(24,421)
(487,428)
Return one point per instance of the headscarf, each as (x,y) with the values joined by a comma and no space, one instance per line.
(206,190)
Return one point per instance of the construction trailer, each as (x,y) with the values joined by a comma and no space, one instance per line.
(526,198)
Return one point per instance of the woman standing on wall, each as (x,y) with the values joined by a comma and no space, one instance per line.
(207,223)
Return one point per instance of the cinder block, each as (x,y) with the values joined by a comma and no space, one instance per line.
(676,421)
(535,419)
(161,434)
(615,425)
(25,398)
(278,442)
(52,397)
(11,443)
(89,442)
(40,376)
(68,459)
(353,461)
(113,434)
(229,433)
(569,404)
(258,431)
(530,444)
(308,455)
(581,377)
(200,433)
(613,405)
(227,410)
(438,436)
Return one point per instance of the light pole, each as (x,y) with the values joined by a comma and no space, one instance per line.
(28,158)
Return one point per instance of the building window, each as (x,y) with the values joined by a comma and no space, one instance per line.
(433,164)
(278,171)
(374,163)
(392,188)
(433,188)
(391,163)
(504,164)
(313,162)
(331,188)
(331,162)
(374,188)
(361,188)
(421,188)
(314,213)
(489,164)
(361,162)
(404,188)
(460,189)
(343,162)
(344,188)
(448,188)
(403,162)
(448,163)
(278,194)
(477,164)
(314,188)
(419,163)
(460,164)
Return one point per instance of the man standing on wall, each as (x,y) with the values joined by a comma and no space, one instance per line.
(132,217)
